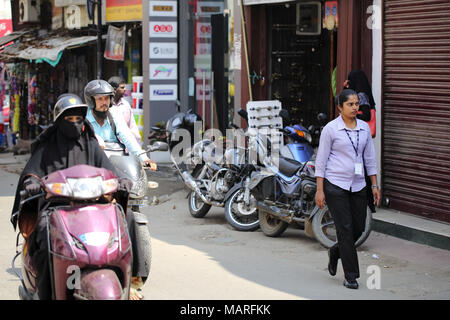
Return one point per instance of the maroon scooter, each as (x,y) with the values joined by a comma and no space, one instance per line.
(89,245)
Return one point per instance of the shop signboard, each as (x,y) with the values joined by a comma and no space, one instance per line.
(204,30)
(163,50)
(163,71)
(202,48)
(163,29)
(208,8)
(6,26)
(163,92)
(123,10)
(251,2)
(66,3)
(163,8)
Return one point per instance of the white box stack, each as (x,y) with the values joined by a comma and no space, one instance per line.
(137,104)
(264,118)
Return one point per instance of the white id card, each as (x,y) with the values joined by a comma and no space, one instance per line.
(358,168)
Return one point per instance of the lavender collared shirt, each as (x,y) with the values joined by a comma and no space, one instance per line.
(336,156)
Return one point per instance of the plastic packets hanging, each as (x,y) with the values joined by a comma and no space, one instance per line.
(115,43)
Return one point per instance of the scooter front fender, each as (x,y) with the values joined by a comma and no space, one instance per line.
(101,284)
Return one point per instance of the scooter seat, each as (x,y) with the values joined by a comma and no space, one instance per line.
(288,167)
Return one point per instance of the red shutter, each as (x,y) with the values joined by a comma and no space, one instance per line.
(416,107)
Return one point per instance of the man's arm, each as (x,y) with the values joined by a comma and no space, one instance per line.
(129,140)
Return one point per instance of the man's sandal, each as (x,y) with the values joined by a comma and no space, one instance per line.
(135,295)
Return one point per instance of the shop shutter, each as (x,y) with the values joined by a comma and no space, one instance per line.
(416,107)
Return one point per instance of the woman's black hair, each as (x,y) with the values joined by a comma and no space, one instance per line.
(344,95)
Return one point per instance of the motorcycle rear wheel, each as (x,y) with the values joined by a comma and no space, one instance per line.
(239,219)
(325,231)
(197,208)
(271,226)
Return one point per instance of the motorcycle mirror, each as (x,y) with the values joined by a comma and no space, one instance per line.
(159,146)
(284,114)
(311,128)
(322,117)
(243,113)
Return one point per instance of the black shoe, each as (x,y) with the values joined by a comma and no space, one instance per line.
(351,284)
(332,264)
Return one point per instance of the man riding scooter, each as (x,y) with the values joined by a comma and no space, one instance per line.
(107,122)
(69,141)
(109,126)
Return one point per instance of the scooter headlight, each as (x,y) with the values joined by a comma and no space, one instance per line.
(86,188)
(83,188)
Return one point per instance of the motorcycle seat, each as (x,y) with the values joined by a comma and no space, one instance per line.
(288,167)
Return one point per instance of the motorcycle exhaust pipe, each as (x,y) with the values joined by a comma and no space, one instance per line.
(274,211)
(191,184)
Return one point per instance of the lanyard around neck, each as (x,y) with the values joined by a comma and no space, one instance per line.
(357,141)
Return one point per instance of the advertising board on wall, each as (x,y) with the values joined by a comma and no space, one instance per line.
(163,71)
(163,29)
(163,8)
(163,50)
(123,10)
(163,92)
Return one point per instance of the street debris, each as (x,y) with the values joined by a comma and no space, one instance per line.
(158,200)
(153,184)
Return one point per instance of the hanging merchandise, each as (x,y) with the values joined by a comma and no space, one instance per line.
(330,19)
(32,96)
(15,101)
(115,43)
(2,99)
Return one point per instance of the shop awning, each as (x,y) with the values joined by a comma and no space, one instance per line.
(12,36)
(48,50)
(252,2)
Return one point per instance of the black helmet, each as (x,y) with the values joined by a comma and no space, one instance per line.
(68,101)
(116,81)
(97,87)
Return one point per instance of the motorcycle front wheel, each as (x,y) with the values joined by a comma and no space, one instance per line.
(271,226)
(197,208)
(325,231)
(239,215)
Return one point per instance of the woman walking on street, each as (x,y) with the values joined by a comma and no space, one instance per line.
(345,149)
(358,82)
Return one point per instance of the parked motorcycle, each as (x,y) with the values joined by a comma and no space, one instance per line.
(285,191)
(218,180)
(89,245)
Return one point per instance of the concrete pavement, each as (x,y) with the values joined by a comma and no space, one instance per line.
(206,259)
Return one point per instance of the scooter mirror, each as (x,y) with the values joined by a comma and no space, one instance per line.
(159,146)
(243,113)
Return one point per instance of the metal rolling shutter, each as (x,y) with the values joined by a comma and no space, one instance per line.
(416,107)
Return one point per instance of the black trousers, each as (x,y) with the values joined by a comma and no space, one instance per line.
(348,210)
(38,250)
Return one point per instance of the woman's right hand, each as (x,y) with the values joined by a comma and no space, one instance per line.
(320,199)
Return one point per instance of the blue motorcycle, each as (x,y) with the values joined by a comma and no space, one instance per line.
(284,189)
